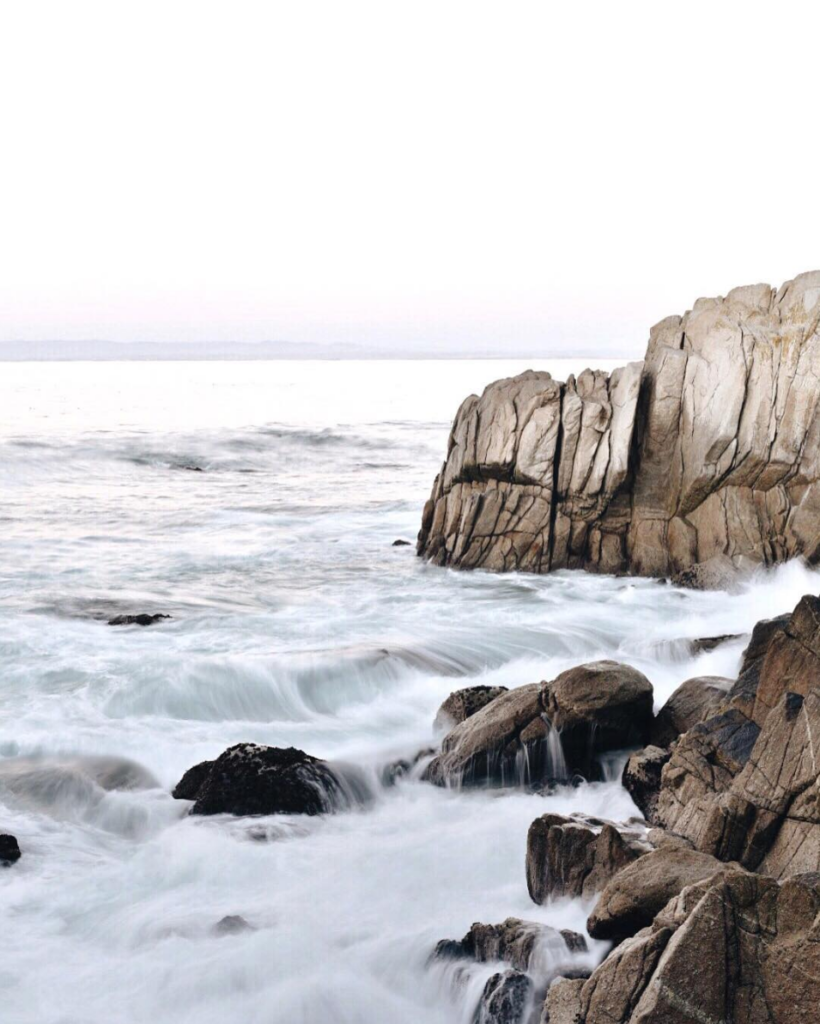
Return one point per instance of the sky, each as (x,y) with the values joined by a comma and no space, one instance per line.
(445,176)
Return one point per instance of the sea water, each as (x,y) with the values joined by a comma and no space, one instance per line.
(256,503)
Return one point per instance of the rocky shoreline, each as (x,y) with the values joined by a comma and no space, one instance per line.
(701,460)
(711,901)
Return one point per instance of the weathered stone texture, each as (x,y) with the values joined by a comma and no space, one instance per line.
(707,453)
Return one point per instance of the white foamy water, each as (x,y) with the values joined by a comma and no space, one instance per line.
(295,622)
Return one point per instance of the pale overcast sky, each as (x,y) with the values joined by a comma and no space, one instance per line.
(513,176)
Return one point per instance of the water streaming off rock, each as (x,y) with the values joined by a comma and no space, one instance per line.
(257,504)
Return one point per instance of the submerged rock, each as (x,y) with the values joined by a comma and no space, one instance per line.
(9,850)
(702,459)
(232,924)
(401,543)
(252,779)
(462,704)
(143,619)
(576,856)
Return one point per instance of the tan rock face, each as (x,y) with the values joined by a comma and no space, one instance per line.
(707,451)
(739,948)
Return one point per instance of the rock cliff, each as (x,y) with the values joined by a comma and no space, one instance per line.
(706,452)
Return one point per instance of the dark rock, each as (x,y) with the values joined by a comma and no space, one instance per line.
(642,778)
(546,732)
(506,999)
(143,619)
(693,701)
(9,850)
(745,950)
(576,856)
(233,924)
(252,779)
(515,942)
(401,543)
(462,704)
(636,894)
(404,766)
(192,781)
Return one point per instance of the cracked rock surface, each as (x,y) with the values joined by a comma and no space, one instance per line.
(705,454)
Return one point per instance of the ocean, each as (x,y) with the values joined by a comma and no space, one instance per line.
(257,503)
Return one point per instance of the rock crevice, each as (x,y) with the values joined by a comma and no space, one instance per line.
(707,451)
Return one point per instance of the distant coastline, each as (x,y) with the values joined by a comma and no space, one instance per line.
(115,351)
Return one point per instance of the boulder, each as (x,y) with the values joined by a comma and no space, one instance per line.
(524,945)
(491,746)
(692,702)
(641,890)
(462,704)
(9,851)
(252,779)
(143,619)
(192,781)
(701,460)
(576,856)
(596,707)
(642,778)
(742,948)
(506,999)
(546,732)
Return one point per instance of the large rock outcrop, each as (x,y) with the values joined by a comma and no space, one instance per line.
(707,452)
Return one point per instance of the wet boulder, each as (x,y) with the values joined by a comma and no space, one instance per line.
(633,897)
(9,851)
(523,944)
(252,779)
(642,778)
(463,704)
(545,732)
(576,856)
(192,781)
(506,999)
(596,707)
(692,702)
